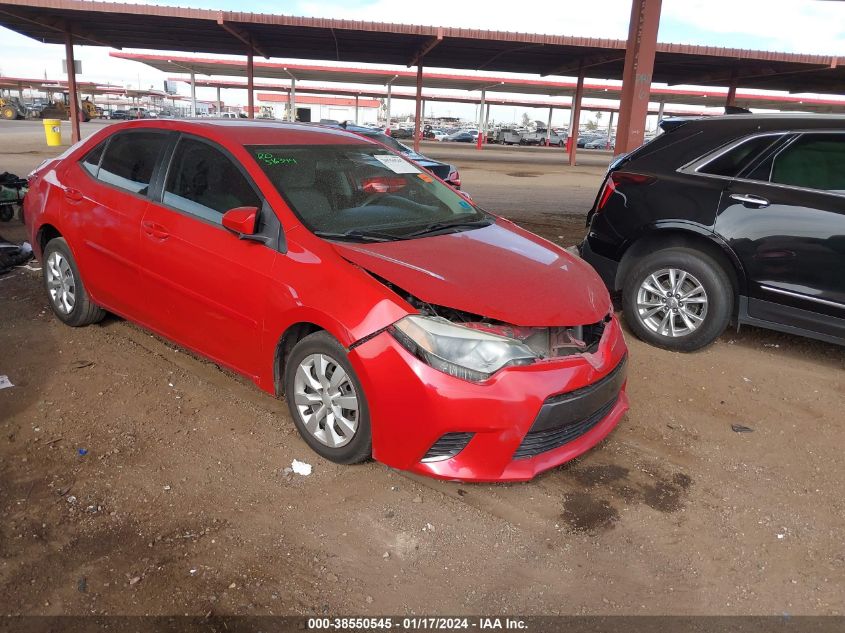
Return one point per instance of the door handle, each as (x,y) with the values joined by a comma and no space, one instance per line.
(155,230)
(74,195)
(749,200)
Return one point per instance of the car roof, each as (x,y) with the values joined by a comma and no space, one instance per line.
(250,132)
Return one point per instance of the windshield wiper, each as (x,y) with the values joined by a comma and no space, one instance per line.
(436,227)
(362,235)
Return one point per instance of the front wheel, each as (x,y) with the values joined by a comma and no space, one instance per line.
(678,298)
(327,401)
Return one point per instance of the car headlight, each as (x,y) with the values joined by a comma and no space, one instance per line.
(459,351)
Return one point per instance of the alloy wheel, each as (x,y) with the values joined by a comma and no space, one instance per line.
(61,283)
(671,302)
(326,401)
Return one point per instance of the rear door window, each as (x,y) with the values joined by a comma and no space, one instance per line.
(131,159)
(812,161)
(91,162)
(204,182)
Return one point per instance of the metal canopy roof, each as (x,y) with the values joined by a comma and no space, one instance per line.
(228,32)
(493,83)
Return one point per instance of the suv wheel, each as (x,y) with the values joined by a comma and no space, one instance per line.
(327,401)
(678,298)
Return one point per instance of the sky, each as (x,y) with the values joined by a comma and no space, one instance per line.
(795,26)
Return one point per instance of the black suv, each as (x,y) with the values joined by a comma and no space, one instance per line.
(732,218)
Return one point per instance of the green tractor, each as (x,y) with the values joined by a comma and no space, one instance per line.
(11,108)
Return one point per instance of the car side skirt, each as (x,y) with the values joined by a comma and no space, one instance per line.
(791,320)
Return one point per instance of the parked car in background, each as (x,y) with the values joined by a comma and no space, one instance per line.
(539,137)
(461,137)
(587,137)
(599,142)
(400,132)
(726,219)
(119,115)
(398,320)
(444,171)
(138,113)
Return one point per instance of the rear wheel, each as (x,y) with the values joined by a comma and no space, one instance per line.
(678,298)
(8,112)
(326,400)
(68,297)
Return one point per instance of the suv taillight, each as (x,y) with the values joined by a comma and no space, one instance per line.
(616,178)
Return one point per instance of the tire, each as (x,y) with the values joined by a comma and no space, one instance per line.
(692,316)
(303,368)
(65,290)
(8,113)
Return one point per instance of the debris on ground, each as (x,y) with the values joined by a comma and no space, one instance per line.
(739,428)
(300,468)
(5,383)
(12,254)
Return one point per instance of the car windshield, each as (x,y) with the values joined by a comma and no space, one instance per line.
(364,193)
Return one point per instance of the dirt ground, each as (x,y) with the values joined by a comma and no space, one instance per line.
(181,503)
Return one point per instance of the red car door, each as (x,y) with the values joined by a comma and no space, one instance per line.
(105,199)
(207,287)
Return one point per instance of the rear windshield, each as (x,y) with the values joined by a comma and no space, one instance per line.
(337,189)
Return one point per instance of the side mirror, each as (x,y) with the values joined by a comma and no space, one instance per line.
(241,220)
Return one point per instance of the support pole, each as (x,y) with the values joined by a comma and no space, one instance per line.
(219,103)
(388,115)
(292,98)
(418,108)
(356,110)
(193,95)
(486,121)
(549,128)
(575,122)
(731,98)
(75,133)
(609,130)
(480,139)
(636,76)
(660,112)
(250,84)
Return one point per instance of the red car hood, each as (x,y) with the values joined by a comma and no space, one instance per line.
(500,271)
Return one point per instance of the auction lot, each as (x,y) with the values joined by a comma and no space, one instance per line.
(181,502)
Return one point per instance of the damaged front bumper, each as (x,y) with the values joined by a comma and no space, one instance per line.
(519,422)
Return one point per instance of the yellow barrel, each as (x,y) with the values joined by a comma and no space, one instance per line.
(53,132)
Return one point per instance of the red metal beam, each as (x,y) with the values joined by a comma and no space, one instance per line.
(239,34)
(576,117)
(418,110)
(587,62)
(428,46)
(75,133)
(731,98)
(636,77)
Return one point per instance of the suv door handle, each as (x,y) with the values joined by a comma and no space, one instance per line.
(155,230)
(749,200)
(74,195)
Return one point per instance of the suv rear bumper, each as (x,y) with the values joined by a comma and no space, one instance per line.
(604,266)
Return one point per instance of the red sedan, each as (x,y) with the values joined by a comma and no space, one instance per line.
(399,320)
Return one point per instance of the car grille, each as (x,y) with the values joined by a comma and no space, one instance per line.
(536,442)
(447,446)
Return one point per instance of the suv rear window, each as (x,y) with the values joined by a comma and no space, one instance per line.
(130,160)
(733,161)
